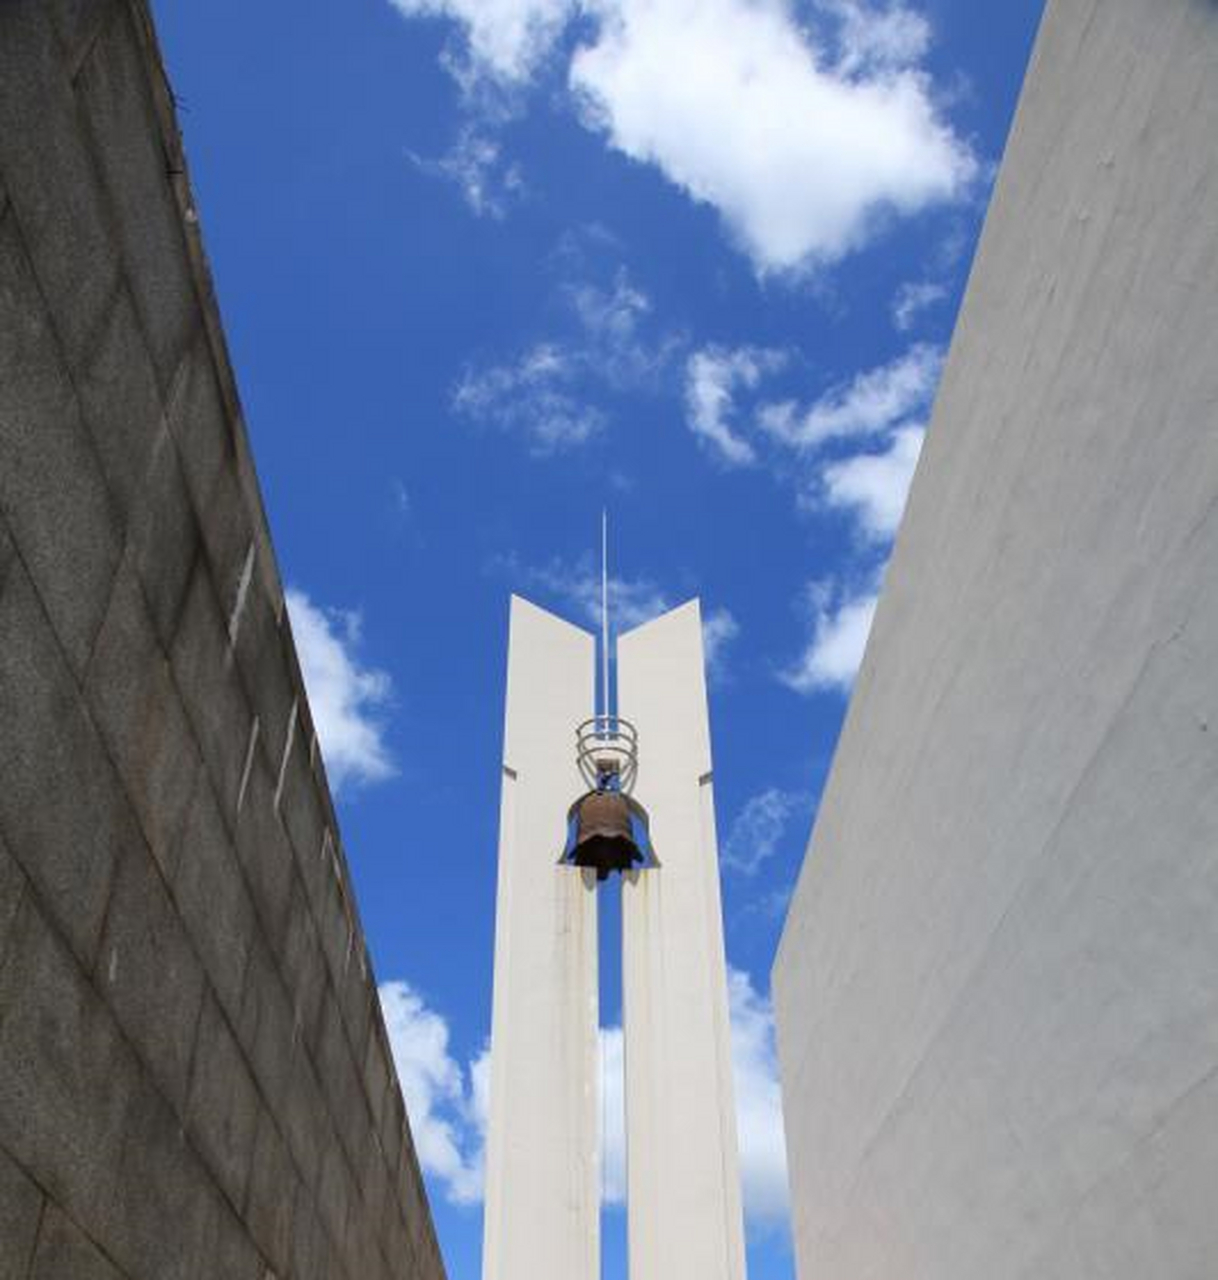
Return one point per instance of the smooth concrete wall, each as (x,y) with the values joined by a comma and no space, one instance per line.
(684,1214)
(194,1075)
(542,1216)
(997,988)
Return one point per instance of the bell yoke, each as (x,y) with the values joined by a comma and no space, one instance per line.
(606,827)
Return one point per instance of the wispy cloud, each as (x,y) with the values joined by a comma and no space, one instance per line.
(872,402)
(577,586)
(503,40)
(475,164)
(632,602)
(348,700)
(841,623)
(759,828)
(725,387)
(712,377)
(911,299)
(874,486)
(546,394)
(719,630)
(535,396)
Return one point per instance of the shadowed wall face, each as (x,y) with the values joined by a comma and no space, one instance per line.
(194,1075)
(997,990)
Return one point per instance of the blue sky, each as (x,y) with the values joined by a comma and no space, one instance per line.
(487,266)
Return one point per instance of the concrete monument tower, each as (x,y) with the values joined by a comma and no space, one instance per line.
(636,797)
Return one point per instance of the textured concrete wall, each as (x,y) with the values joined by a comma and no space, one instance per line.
(194,1074)
(998,984)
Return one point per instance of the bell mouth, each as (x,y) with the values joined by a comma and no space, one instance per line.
(606,854)
(607,832)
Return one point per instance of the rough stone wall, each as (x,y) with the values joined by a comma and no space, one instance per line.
(997,990)
(194,1074)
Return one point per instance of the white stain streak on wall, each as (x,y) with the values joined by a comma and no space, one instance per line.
(683,1179)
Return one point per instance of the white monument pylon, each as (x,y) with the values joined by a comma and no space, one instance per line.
(684,1217)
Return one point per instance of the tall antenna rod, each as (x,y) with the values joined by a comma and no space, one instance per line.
(605,616)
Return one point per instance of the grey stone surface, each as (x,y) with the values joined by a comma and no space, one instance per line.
(149,973)
(60,206)
(12,889)
(199,421)
(64,1252)
(214,700)
(997,990)
(119,399)
(265,853)
(304,966)
(222,1113)
(164,1214)
(228,534)
(49,748)
(51,488)
(67,1080)
(183,1079)
(20,1211)
(116,105)
(344,1091)
(260,648)
(135,705)
(274,1188)
(78,24)
(212,899)
(164,537)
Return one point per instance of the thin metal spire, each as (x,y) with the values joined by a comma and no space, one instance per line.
(605,615)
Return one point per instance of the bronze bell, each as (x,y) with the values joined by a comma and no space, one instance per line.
(603,832)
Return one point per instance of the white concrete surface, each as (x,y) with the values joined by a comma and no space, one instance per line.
(997,990)
(542,1214)
(683,1181)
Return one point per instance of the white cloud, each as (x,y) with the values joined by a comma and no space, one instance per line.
(763,1150)
(612,314)
(712,377)
(614,348)
(803,135)
(763,1158)
(911,299)
(875,485)
(613,1113)
(347,699)
(759,827)
(839,637)
(719,629)
(476,165)
(874,401)
(505,39)
(632,601)
(534,396)
(878,39)
(744,109)
(447,1109)
(543,394)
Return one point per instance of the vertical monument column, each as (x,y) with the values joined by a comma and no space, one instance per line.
(682,1162)
(542,1219)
